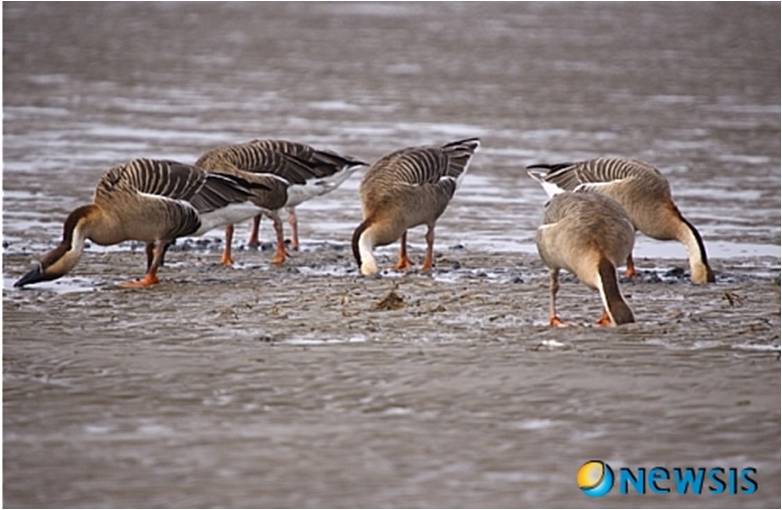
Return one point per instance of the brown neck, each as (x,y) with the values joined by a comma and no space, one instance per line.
(615,304)
(85,214)
(356,236)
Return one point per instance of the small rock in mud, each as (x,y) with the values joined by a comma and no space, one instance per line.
(392,301)
(676,272)
(732,298)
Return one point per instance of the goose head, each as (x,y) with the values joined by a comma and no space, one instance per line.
(66,255)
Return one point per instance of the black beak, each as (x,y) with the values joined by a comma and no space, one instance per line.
(33,276)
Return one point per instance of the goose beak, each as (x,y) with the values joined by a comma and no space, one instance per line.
(33,276)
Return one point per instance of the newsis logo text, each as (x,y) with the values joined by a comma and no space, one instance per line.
(596,478)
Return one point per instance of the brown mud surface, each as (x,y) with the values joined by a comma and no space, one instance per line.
(262,386)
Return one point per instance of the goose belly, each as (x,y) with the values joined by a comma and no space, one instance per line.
(229,215)
(298,193)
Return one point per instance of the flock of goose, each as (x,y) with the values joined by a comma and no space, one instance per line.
(588,225)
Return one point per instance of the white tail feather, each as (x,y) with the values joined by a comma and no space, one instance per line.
(550,188)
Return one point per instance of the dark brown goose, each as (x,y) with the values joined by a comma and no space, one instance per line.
(589,235)
(644,193)
(404,189)
(317,172)
(156,202)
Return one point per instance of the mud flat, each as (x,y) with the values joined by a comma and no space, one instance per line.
(309,386)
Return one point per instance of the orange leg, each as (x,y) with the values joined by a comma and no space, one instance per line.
(630,271)
(429,258)
(605,319)
(150,249)
(293,222)
(553,319)
(404,261)
(254,242)
(226,260)
(150,278)
(279,255)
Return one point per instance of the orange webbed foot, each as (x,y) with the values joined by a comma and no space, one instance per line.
(556,322)
(604,320)
(279,258)
(404,264)
(630,272)
(147,281)
(227,261)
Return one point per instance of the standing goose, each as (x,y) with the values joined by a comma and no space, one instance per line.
(589,235)
(155,201)
(317,173)
(404,189)
(644,193)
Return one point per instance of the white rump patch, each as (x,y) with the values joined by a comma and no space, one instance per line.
(550,188)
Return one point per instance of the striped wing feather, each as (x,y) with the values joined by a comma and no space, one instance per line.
(179,192)
(427,165)
(295,162)
(572,176)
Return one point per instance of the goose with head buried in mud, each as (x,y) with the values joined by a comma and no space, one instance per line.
(156,201)
(404,189)
(644,193)
(587,234)
(318,173)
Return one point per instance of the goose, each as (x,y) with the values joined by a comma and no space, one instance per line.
(156,201)
(644,193)
(404,189)
(318,172)
(589,235)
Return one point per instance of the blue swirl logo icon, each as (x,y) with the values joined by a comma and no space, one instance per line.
(595,478)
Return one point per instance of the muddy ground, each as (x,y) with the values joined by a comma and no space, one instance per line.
(309,386)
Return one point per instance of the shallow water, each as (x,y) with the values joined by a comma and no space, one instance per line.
(260,386)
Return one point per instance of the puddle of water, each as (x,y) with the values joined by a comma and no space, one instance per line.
(65,285)
(312,340)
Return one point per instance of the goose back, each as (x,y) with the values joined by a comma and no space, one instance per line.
(417,181)
(579,227)
(149,200)
(641,189)
(295,162)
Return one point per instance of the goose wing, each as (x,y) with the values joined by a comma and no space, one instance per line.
(170,193)
(417,166)
(175,182)
(295,162)
(321,163)
(593,175)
